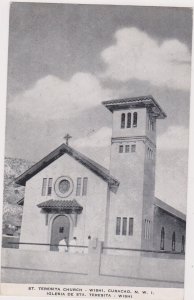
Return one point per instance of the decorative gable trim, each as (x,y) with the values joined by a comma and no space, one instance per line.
(84,160)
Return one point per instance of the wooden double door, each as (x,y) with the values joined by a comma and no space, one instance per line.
(59,231)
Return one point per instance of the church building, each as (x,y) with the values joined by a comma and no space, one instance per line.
(70,196)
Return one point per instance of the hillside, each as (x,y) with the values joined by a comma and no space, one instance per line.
(12,213)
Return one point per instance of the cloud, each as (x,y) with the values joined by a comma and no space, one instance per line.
(136,55)
(53,98)
(134,60)
(98,139)
(175,138)
(96,145)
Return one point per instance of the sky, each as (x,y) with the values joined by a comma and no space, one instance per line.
(65,59)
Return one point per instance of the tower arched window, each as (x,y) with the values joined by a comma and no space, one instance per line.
(149,153)
(183,244)
(122,120)
(149,124)
(173,241)
(135,119)
(152,125)
(162,237)
(129,120)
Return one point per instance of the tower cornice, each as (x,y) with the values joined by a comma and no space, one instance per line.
(136,102)
(142,138)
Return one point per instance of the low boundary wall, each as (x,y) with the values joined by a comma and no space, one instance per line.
(93,268)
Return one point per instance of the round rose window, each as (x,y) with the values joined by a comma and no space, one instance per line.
(63,186)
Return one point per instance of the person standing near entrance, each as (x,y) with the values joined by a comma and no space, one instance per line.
(73,243)
(63,245)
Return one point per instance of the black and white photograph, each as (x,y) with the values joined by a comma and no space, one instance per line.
(96,147)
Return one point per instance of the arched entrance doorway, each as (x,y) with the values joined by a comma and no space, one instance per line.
(60,230)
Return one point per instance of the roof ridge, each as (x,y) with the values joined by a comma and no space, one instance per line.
(90,159)
(130,98)
(167,207)
(59,151)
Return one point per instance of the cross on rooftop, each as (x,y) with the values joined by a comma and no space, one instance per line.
(67,137)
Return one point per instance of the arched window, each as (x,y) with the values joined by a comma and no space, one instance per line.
(162,237)
(183,244)
(129,120)
(149,229)
(173,241)
(122,120)
(135,119)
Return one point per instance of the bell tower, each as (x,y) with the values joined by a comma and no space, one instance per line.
(133,154)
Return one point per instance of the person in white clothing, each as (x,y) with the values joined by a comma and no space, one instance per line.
(73,243)
(63,245)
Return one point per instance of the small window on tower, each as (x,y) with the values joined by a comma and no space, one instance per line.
(129,120)
(127,148)
(152,125)
(133,148)
(122,120)
(149,152)
(145,229)
(121,149)
(124,228)
(135,119)
(118,226)
(149,229)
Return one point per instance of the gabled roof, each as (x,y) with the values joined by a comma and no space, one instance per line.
(136,102)
(169,209)
(62,149)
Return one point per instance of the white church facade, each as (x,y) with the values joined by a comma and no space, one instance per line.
(69,196)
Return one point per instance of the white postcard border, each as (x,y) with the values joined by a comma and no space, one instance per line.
(160,294)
